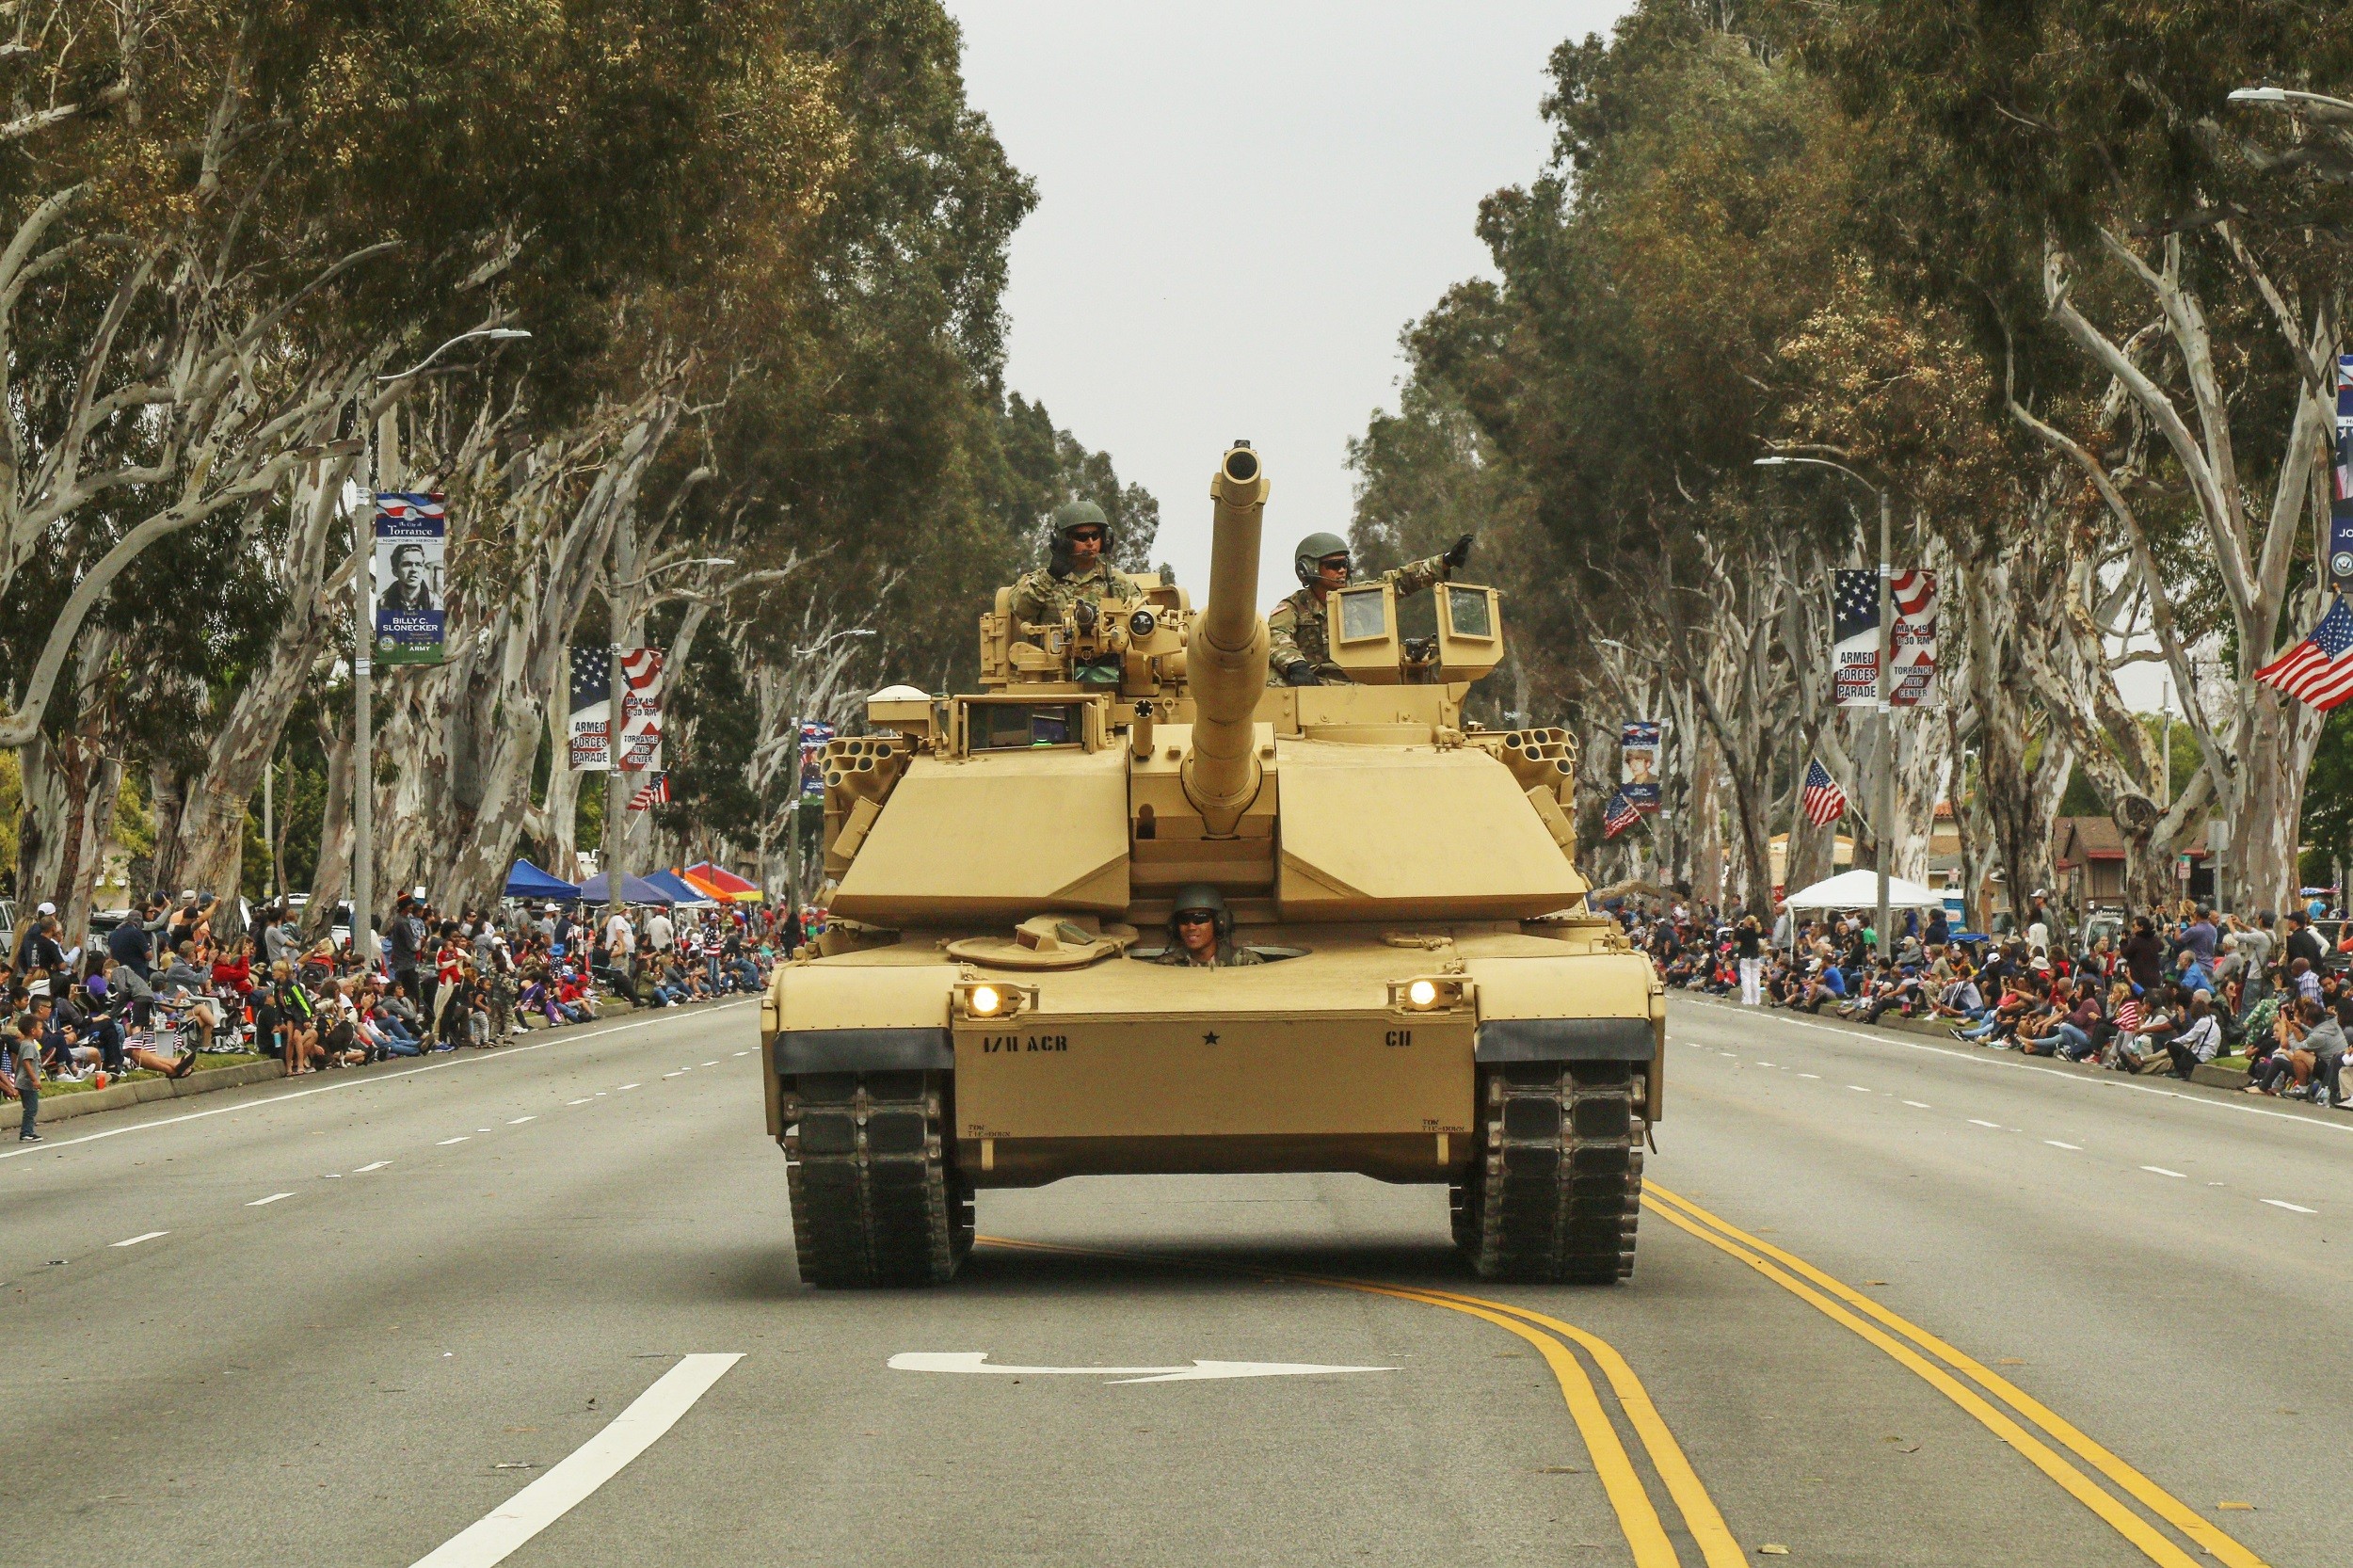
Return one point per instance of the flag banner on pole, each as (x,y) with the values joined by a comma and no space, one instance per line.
(2317,670)
(1855,638)
(2341,483)
(655,793)
(406,578)
(814,734)
(1824,802)
(1619,815)
(590,727)
(1637,764)
(638,747)
(1913,681)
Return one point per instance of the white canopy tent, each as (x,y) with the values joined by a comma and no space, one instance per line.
(1861,890)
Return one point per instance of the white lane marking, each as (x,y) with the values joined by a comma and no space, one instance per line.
(627,1086)
(681,1072)
(332,1175)
(1764,1063)
(144,1236)
(272,1198)
(1920,1105)
(1975,1121)
(578,1475)
(2159,1170)
(712,1062)
(743,1053)
(1858,1088)
(2084,1081)
(447,1141)
(482,1130)
(1200,1371)
(506,1054)
(377,1166)
(583,1100)
(1809,1075)
(2290,1207)
(2056,1144)
(520,1120)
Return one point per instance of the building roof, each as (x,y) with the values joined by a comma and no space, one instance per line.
(2074,839)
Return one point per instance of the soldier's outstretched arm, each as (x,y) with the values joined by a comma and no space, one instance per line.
(1414,576)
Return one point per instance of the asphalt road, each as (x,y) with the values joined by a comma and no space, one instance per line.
(349,1322)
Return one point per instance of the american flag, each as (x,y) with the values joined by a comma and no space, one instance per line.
(1824,800)
(2316,670)
(1619,815)
(655,793)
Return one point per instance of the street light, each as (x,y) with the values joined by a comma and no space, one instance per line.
(1887,709)
(494,334)
(2335,110)
(362,726)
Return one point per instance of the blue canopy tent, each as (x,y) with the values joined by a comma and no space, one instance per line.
(527,881)
(634,890)
(682,892)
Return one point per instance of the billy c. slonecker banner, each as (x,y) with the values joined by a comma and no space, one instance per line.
(1637,764)
(591,709)
(1912,681)
(411,541)
(638,746)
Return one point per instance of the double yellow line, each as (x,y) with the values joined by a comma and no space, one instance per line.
(2024,1425)
(1638,1516)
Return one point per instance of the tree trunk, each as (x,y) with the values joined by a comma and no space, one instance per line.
(330,883)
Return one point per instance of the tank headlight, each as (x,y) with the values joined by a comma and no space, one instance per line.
(1142,623)
(987,999)
(1421,992)
(1426,995)
(993,1000)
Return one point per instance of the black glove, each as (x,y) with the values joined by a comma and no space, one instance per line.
(1457,554)
(1302,673)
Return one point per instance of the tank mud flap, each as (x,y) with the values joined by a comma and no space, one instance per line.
(876,1200)
(1555,1185)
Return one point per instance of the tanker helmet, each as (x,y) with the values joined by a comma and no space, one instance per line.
(1200,897)
(1071,517)
(1311,552)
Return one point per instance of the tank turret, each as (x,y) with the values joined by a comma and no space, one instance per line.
(1225,658)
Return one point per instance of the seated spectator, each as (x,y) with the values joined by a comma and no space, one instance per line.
(2200,1040)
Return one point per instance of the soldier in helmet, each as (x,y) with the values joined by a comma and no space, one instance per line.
(1074,574)
(1298,653)
(1201,932)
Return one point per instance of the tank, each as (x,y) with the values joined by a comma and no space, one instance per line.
(1435,1003)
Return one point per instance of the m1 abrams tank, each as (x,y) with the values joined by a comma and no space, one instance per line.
(1437,1006)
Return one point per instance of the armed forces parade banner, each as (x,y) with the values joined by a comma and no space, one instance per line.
(411,539)
(814,734)
(1854,655)
(1637,764)
(591,710)
(2341,484)
(638,746)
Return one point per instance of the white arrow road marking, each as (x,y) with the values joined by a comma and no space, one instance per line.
(588,1467)
(1200,1371)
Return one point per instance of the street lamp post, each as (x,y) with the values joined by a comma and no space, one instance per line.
(1884,837)
(362,505)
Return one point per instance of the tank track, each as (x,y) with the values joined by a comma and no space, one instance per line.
(1556,1181)
(876,1200)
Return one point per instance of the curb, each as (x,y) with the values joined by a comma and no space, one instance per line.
(119,1096)
(2205,1074)
(115,1096)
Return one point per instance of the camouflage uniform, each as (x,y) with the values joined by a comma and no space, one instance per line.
(1295,629)
(1041,598)
(1228,957)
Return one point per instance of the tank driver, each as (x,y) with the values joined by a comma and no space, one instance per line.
(1074,575)
(1299,653)
(1201,932)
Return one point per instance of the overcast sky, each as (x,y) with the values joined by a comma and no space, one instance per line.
(1239,209)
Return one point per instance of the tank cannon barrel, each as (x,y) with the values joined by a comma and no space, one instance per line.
(1225,657)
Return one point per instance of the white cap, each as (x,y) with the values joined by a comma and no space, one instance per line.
(46,908)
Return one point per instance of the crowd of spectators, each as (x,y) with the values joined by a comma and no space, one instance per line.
(2162,994)
(159,992)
